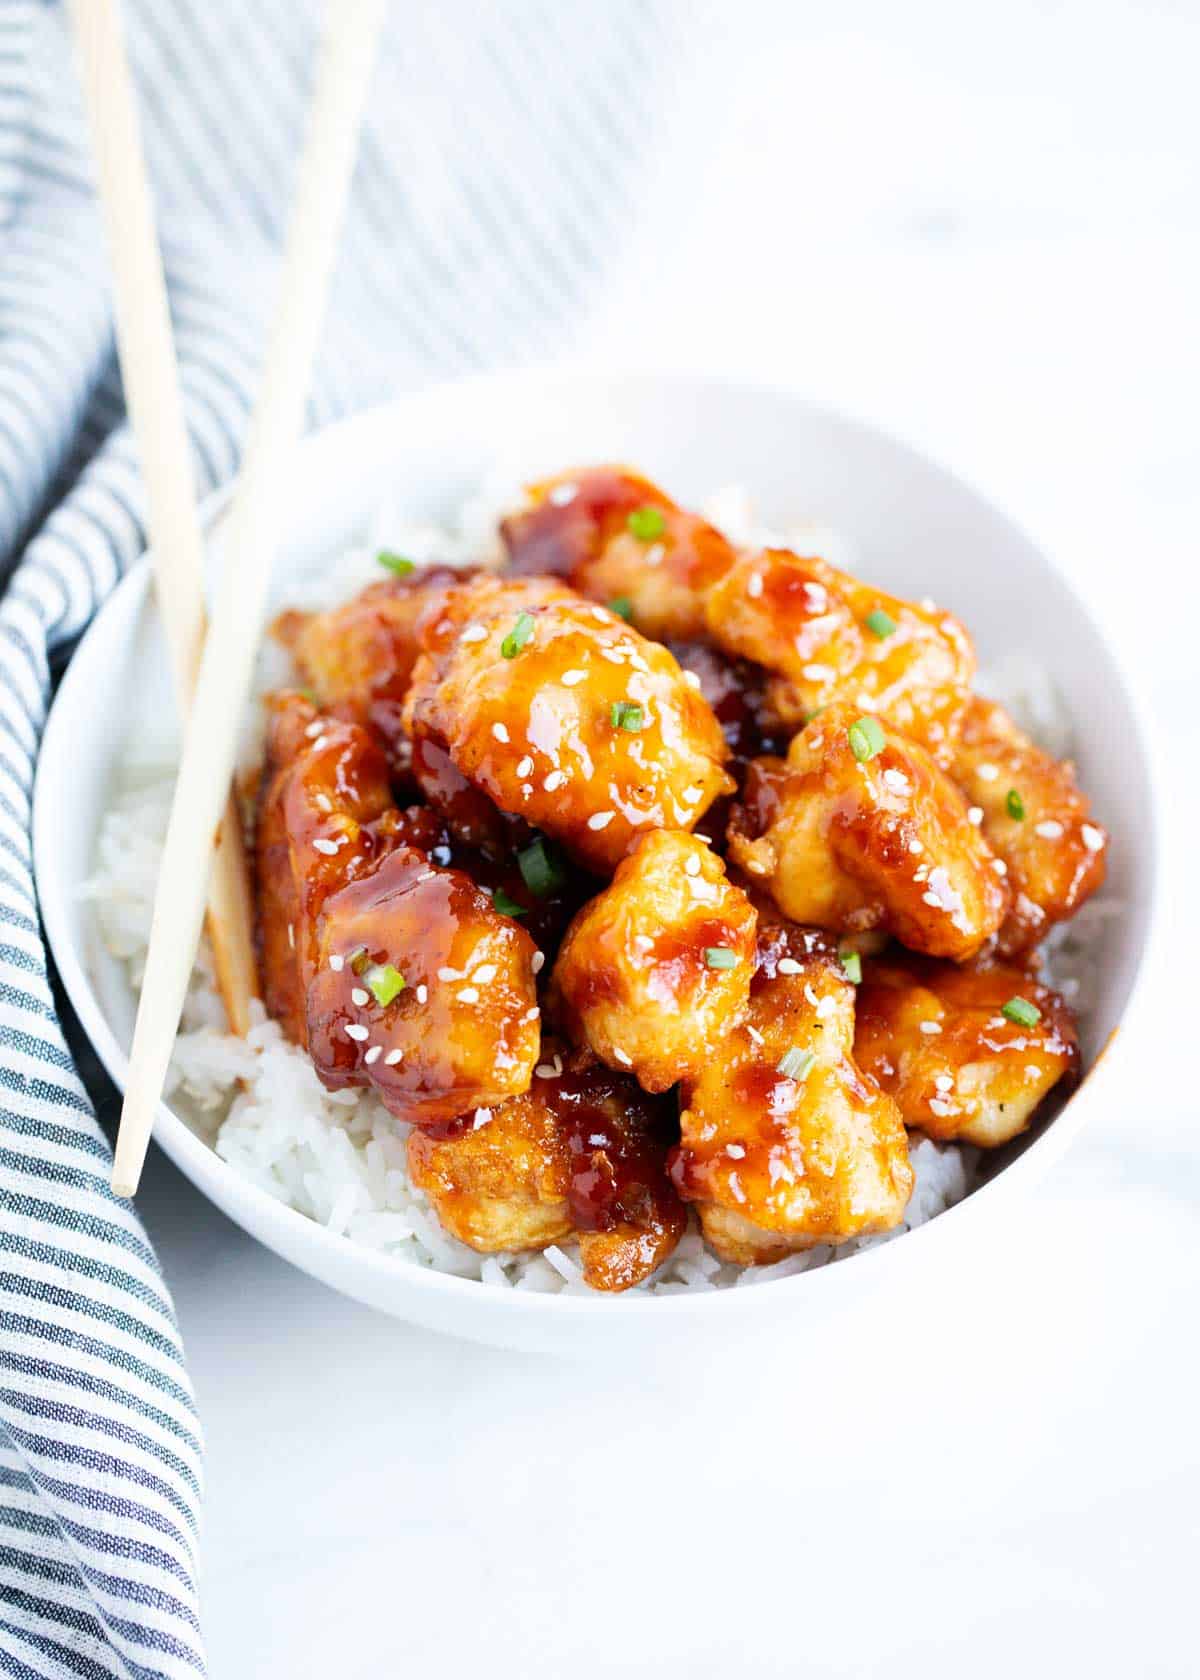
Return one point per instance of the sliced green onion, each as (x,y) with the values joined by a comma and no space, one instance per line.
(866,738)
(507,905)
(309,694)
(1021,1012)
(359,959)
(398,563)
(851,963)
(647,523)
(1015,805)
(794,1064)
(622,606)
(520,633)
(720,956)
(880,624)
(540,869)
(626,715)
(385,982)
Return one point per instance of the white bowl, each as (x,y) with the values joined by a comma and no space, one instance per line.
(914,529)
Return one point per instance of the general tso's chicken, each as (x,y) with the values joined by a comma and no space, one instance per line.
(655,970)
(391,972)
(325,816)
(581,1153)
(859,829)
(614,536)
(828,637)
(966,1053)
(1035,817)
(785,1142)
(564,716)
(358,657)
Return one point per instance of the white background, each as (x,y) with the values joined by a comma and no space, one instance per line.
(980,227)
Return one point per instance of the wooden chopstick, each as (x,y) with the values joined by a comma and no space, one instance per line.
(151,379)
(253,529)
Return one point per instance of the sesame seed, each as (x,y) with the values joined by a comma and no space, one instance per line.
(485,975)
(500,732)
(692,796)
(354,1031)
(930,1027)
(524,767)
(555,779)
(451,974)
(816,673)
(474,633)
(816,597)
(373,1054)
(755,1034)
(469,994)
(562,494)
(422,994)
(932,900)
(735,1186)
(336,963)
(942,1109)
(572,679)
(692,865)
(323,802)
(530,1015)
(625,1061)
(1049,830)
(754,585)
(392,1057)
(691,679)
(975,814)
(360,996)
(601,615)
(539,962)
(999,865)
(639,664)
(1093,838)
(314,729)
(327,847)
(321,741)
(735,1151)
(987,772)
(897,781)
(291,936)
(601,819)
(613,655)
(943,1082)
(654,554)
(789,965)
(915,847)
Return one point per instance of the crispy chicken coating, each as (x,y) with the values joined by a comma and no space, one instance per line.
(1034,817)
(582,1153)
(853,844)
(391,972)
(655,970)
(937,1040)
(785,1142)
(827,637)
(561,714)
(614,536)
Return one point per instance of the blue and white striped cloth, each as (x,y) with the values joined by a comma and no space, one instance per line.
(497,157)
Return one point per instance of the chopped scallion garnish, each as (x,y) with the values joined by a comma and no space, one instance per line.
(720,956)
(794,1064)
(880,624)
(398,563)
(626,715)
(866,738)
(851,963)
(520,633)
(384,982)
(507,905)
(1021,1012)
(622,606)
(540,869)
(647,523)
(1015,805)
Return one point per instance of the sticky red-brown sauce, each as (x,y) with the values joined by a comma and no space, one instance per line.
(617,1164)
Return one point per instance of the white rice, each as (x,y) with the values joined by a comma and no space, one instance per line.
(339,1158)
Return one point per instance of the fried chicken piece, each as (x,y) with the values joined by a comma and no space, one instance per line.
(561,714)
(828,638)
(1034,817)
(655,970)
(883,841)
(358,657)
(325,816)
(785,1142)
(583,1153)
(613,535)
(937,1040)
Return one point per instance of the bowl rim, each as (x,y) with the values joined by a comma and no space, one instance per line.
(283,1225)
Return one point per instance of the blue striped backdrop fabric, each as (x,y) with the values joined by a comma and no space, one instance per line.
(501,145)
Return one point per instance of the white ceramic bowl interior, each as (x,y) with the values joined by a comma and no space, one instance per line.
(913,528)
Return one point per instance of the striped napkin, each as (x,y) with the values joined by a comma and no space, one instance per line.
(498,153)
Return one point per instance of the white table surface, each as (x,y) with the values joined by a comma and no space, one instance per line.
(980,227)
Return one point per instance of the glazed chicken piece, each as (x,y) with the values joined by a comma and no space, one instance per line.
(655,970)
(785,1142)
(939,1041)
(561,714)
(391,972)
(826,637)
(582,1153)
(614,536)
(358,657)
(1034,817)
(858,829)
